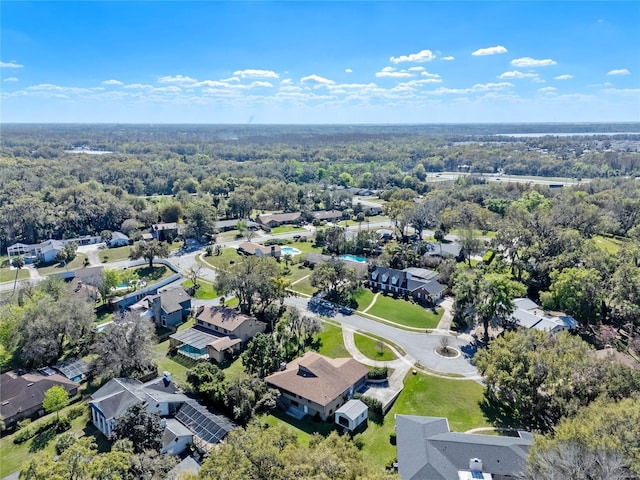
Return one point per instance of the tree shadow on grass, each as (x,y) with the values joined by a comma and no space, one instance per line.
(104,445)
(375,418)
(41,440)
(497,415)
(152,274)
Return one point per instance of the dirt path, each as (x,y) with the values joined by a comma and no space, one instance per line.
(373,302)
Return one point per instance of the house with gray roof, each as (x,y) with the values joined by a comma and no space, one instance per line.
(168,308)
(118,239)
(160,396)
(428,449)
(528,314)
(445,250)
(403,283)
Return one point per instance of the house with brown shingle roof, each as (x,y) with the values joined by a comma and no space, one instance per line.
(317,385)
(250,248)
(268,221)
(218,334)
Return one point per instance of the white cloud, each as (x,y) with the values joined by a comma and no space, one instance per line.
(528,62)
(112,82)
(489,51)
(317,79)
(177,79)
(139,86)
(169,89)
(420,57)
(449,58)
(392,73)
(253,73)
(478,87)
(563,77)
(429,75)
(516,74)
(11,79)
(348,70)
(10,65)
(548,90)
(286,81)
(620,71)
(416,69)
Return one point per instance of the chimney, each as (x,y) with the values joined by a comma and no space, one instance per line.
(475,465)
(200,309)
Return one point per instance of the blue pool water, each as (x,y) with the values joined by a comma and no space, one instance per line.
(290,250)
(353,258)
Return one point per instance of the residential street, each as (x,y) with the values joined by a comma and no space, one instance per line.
(419,346)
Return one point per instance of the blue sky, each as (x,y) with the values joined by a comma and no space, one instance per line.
(319,62)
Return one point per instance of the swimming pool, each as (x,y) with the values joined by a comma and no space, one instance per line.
(353,258)
(290,250)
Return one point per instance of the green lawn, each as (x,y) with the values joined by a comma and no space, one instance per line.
(609,245)
(222,261)
(75,264)
(287,229)
(405,313)
(304,286)
(303,428)
(296,272)
(114,254)
(374,349)
(363,298)
(476,233)
(331,343)
(205,290)
(458,400)
(304,247)
(153,274)
(8,275)
(234,370)
(15,456)
(229,236)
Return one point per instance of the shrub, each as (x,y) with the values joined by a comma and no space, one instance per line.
(374,405)
(392,438)
(378,373)
(276,241)
(64,441)
(208,251)
(76,412)
(23,435)
(63,425)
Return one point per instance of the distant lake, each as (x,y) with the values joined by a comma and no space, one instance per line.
(574,134)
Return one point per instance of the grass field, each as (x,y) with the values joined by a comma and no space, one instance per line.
(425,395)
(8,275)
(75,264)
(608,244)
(114,254)
(331,343)
(15,456)
(305,247)
(373,349)
(205,290)
(153,274)
(287,229)
(222,261)
(405,313)
(177,365)
(304,286)
(363,298)
(303,428)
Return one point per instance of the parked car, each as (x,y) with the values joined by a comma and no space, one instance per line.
(346,310)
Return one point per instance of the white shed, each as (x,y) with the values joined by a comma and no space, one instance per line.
(352,414)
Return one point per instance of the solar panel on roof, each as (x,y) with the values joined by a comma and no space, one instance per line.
(209,427)
(476,474)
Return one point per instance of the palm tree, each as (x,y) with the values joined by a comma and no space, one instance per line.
(17,263)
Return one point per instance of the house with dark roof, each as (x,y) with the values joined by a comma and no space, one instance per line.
(403,283)
(427,449)
(250,248)
(231,224)
(219,333)
(168,308)
(267,221)
(184,420)
(22,394)
(317,385)
(166,232)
